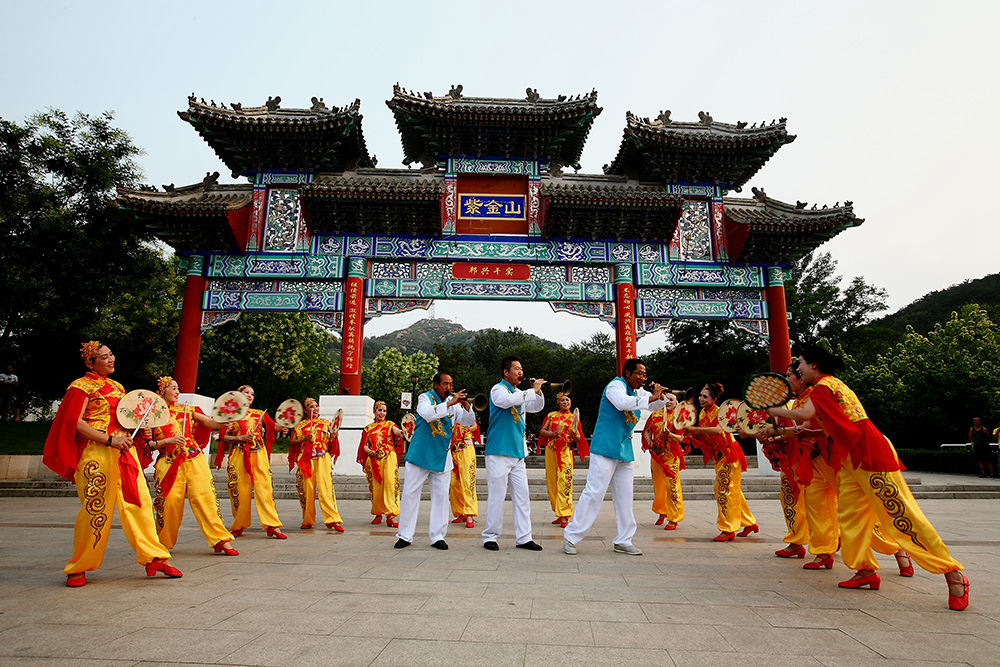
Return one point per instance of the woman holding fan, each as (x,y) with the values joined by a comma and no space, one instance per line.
(730,464)
(314,449)
(249,468)
(872,488)
(182,470)
(381,446)
(558,433)
(663,442)
(87,444)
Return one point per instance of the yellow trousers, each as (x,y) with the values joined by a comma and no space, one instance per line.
(99,488)
(194,480)
(384,494)
(882,499)
(821,509)
(319,485)
(240,490)
(795,512)
(667,497)
(463,483)
(559,480)
(733,509)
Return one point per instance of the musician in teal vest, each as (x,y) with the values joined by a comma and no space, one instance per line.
(427,459)
(505,451)
(612,462)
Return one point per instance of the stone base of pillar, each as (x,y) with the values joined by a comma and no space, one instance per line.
(359,411)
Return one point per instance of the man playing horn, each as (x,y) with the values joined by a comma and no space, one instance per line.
(505,452)
(612,462)
(427,459)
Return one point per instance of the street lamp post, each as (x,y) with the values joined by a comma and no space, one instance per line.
(413,402)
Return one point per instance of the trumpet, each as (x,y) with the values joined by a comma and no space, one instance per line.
(565,387)
(480,402)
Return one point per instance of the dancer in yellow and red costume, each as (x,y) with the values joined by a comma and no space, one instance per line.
(87,444)
(182,471)
(872,489)
(314,449)
(464,503)
(664,441)
(379,452)
(730,464)
(249,441)
(557,436)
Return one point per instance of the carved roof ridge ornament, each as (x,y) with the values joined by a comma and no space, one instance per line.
(797,210)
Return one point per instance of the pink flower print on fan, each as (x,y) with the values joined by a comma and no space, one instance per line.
(230,407)
(141,407)
(289,414)
(755,417)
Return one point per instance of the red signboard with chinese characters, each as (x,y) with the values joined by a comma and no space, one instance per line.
(490,271)
(625,322)
(350,360)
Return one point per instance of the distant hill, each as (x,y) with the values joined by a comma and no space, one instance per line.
(937,306)
(424,334)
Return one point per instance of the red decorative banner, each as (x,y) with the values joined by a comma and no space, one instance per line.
(624,322)
(490,271)
(350,356)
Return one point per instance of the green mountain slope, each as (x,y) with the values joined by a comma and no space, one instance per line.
(937,306)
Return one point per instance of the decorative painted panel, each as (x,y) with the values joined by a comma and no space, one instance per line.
(694,232)
(590,274)
(449,213)
(696,190)
(232,300)
(332,321)
(719,232)
(277,178)
(647,325)
(758,327)
(281,225)
(777,275)
(623,273)
(669,275)
(467,289)
(534,206)
(603,310)
(702,309)
(275,266)
(475,165)
(376,307)
(729,294)
(214,318)
(292,286)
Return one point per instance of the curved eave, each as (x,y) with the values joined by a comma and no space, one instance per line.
(609,211)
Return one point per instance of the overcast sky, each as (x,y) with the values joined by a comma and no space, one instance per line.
(893,103)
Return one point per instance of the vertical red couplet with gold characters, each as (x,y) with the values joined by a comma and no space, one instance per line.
(624,314)
(354,326)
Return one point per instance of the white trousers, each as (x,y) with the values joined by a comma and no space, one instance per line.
(501,472)
(409,502)
(605,472)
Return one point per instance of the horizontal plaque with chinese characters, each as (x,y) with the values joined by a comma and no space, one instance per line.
(490,271)
(491,207)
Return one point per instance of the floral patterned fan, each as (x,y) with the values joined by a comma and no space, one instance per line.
(338,419)
(728,411)
(684,415)
(767,390)
(142,409)
(408,423)
(751,421)
(230,407)
(289,414)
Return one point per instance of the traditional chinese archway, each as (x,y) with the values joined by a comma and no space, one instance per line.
(489,214)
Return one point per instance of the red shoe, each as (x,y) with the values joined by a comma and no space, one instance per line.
(557,521)
(827,563)
(339,527)
(237,533)
(391,522)
(791,551)
(80,579)
(563,521)
(305,526)
(748,529)
(276,533)
(164,567)
(906,570)
(873,581)
(659,521)
(724,537)
(377,519)
(671,525)
(229,551)
(458,519)
(470,522)
(958,603)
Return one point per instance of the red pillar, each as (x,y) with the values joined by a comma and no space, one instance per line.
(624,314)
(354,326)
(189,336)
(778,347)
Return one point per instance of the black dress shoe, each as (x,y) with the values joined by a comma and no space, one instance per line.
(491,546)
(530,546)
(401,544)
(440,544)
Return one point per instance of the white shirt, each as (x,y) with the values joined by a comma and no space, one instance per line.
(620,398)
(430,412)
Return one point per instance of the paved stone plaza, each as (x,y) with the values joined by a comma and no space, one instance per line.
(321,598)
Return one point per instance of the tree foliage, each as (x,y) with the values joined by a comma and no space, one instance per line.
(927,389)
(72,266)
(388,376)
(283,355)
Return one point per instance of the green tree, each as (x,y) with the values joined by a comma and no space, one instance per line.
(389,373)
(927,389)
(283,355)
(819,307)
(72,266)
